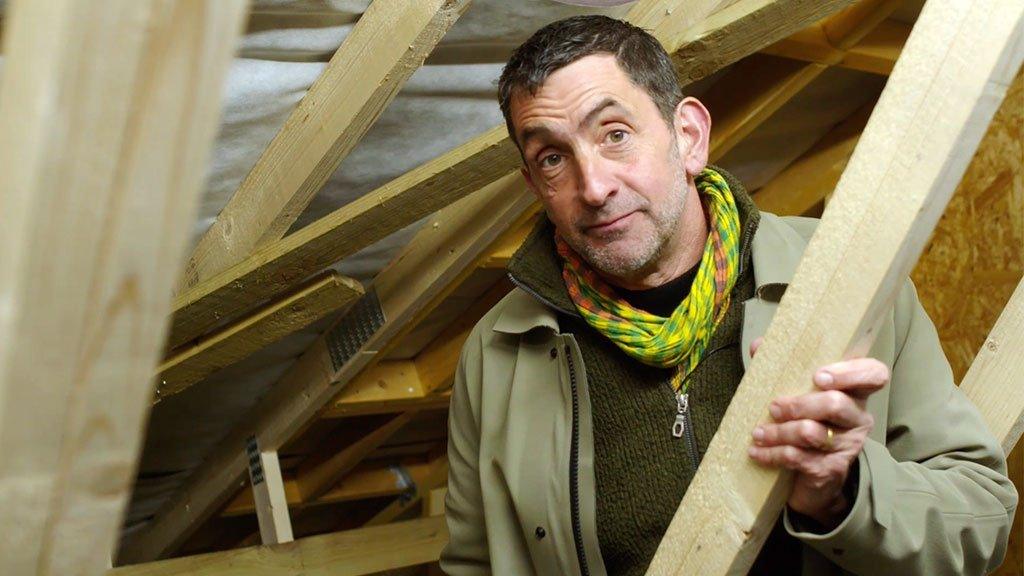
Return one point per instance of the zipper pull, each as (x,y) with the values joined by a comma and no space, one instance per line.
(682,405)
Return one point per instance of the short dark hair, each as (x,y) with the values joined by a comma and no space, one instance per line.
(565,41)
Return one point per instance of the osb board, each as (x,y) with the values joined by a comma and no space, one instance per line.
(976,258)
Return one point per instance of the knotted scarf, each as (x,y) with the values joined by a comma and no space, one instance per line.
(681,339)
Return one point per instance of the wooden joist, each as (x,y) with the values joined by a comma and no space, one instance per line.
(813,176)
(319,297)
(405,291)
(993,381)
(108,111)
(944,89)
(280,265)
(437,475)
(350,553)
(320,472)
(387,44)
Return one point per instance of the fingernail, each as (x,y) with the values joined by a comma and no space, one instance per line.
(824,379)
(775,411)
(758,433)
(752,451)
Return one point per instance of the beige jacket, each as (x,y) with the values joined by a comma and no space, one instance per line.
(933,497)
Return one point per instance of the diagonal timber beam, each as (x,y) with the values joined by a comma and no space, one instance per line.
(993,380)
(810,178)
(404,290)
(401,202)
(946,86)
(350,553)
(748,26)
(387,44)
(108,111)
(320,296)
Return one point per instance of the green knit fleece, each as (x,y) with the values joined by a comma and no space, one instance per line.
(641,470)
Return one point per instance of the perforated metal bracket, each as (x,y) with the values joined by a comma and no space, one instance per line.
(355,329)
(252,450)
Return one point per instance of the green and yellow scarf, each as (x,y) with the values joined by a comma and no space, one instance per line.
(681,339)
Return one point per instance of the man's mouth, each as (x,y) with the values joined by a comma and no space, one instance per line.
(610,226)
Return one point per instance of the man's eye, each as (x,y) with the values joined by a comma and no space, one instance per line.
(616,136)
(550,161)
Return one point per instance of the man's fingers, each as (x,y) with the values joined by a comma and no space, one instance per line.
(829,406)
(791,457)
(800,433)
(860,377)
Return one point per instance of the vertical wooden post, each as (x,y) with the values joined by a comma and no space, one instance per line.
(108,109)
(268,494)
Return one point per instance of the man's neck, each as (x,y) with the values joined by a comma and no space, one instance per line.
(682,252)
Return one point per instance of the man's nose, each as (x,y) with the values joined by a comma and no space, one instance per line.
(597,181)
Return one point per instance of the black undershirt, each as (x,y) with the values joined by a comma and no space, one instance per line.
(661,300)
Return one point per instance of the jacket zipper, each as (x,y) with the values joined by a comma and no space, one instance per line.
(682,427)
(540,298)
(574,463)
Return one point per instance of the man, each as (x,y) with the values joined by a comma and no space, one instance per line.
(585,399)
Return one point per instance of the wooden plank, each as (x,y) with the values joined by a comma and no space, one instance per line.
(806,182)
(993,380)
(433,265)
(267,488)
(349,553)
(946,86)
(319,297)
(278,266)
(875,53)
(320,472)
(108,110)
(387,44)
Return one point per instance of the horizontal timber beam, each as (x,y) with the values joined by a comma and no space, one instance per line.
(384,48)
(350,553)
(922,133)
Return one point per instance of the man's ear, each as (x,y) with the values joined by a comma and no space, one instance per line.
(692,125)
(529,182)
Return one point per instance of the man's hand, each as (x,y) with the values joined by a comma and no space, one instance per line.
(800,439)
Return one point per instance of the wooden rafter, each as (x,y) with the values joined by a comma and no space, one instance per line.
(108,111)
(876,52)
(922,134)
(387,44)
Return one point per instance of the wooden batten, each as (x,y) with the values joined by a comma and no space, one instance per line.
(922,134)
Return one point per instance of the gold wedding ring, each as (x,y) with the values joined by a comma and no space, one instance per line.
(829,437)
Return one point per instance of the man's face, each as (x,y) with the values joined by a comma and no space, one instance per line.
(610,172)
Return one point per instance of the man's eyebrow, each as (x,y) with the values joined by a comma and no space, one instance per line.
(596,110)
(541,130)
